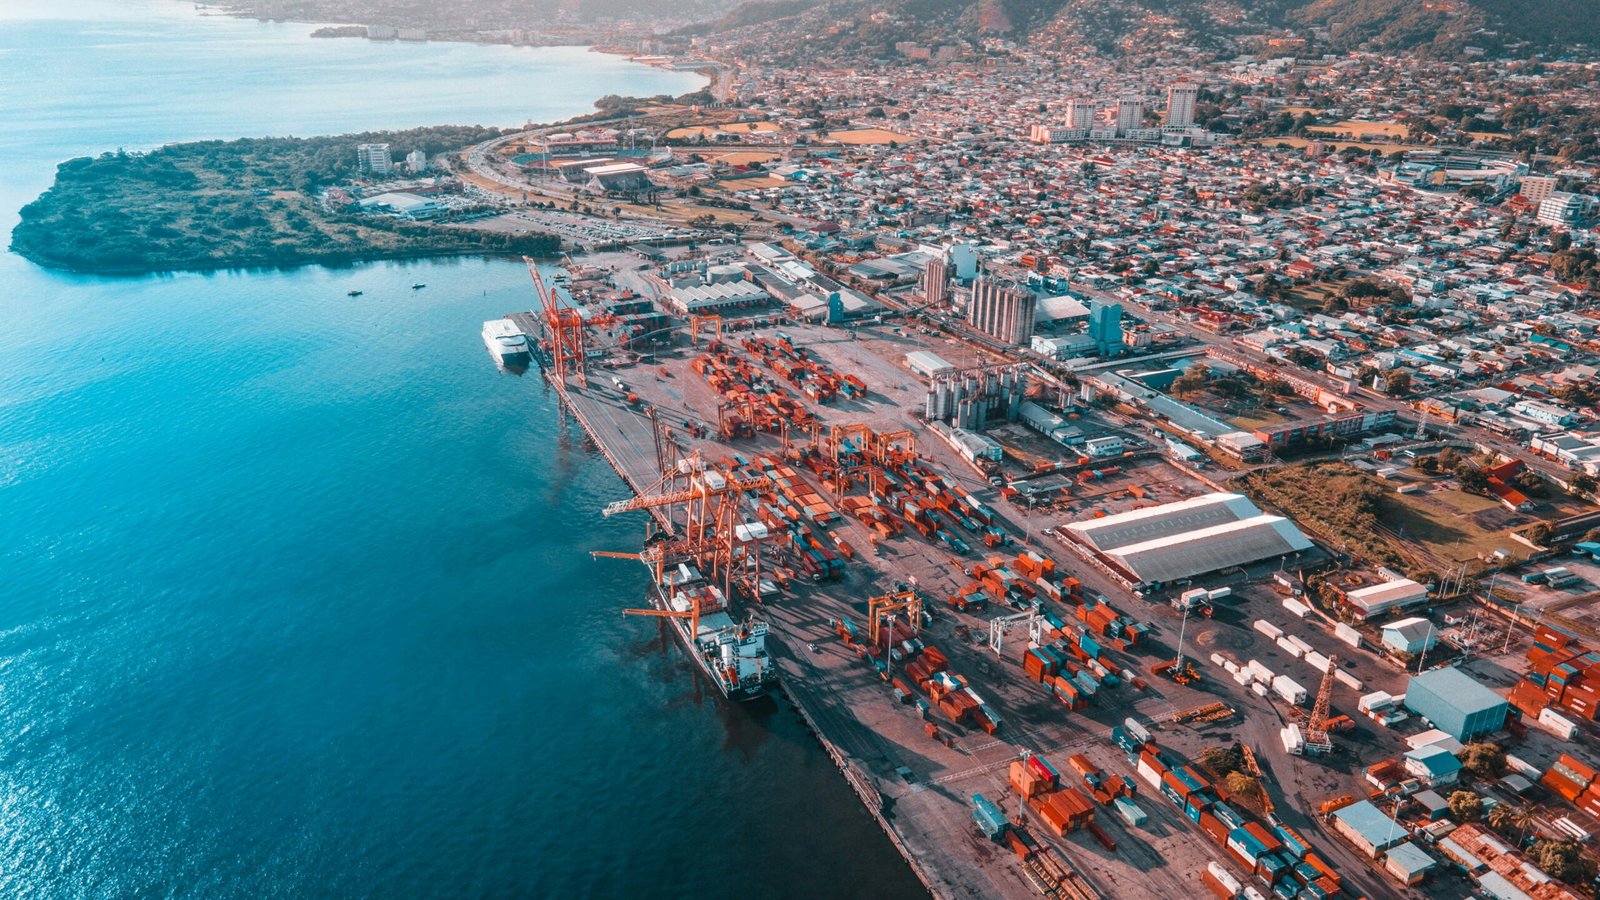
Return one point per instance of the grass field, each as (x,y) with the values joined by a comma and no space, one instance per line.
(1358,129)
(1441,529)
(743,157)
(866,136)
(1463,502)
(706,132)
(1257,418)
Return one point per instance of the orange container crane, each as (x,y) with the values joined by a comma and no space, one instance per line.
(564,331)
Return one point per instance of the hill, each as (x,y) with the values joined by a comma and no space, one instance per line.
(1434,27)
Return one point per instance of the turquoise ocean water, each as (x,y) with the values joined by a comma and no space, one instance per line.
(294,592)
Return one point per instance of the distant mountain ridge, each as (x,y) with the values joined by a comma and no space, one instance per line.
(1436,27)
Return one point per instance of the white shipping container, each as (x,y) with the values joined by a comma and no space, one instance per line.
(1377,701)
(1289,647)
(1293,742)
(1296,608)
(1251,893)
(1136,729)
(1557,724)
(1347,634)
(1220,593)
(1243,677)
(1289,689)
(1216,659)
(1261,689)
(1258,671)
(1317,661)
(1149,774)
(1268,629)
(1224,878)
(1231,666)
(1346,679)
(1523,767)
(1298,642)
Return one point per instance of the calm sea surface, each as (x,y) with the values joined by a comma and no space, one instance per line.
(294,597)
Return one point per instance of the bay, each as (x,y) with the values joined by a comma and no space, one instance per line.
(295,597)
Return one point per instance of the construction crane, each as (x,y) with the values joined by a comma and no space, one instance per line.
(878,607)
(1317,726)
(564,330)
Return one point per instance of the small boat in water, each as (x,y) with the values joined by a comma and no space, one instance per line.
(506,345)
(418,286)
(352,293)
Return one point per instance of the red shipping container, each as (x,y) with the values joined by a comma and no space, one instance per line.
(1216,887)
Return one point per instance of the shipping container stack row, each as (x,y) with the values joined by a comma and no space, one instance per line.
(798,518)
(906,662)
(801,368)
(1070,667)
(1279,856)
(767,405)
(1063,809)
(1118,630)
(907,493)
(1576,781)
(1565,672)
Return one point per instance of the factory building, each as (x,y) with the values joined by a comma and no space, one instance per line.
(1173,541)
(1002,312)
(1456,703)
(973,398)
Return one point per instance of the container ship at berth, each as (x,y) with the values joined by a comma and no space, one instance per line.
(733,653)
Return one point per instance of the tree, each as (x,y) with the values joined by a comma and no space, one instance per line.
(1465,806)
(1192,381)
(1472,479)
(1223,761)
(1484,759)
(1399,384)
(1563,860)
(1540,534)
(1581,484)
(1242,785)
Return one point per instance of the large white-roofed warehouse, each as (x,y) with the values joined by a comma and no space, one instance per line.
(1173,541)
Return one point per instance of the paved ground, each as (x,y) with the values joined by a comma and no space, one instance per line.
(856,712)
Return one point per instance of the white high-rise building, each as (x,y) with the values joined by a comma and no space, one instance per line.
(1130,114)
(375,158)
(1181,99)
(1080,112)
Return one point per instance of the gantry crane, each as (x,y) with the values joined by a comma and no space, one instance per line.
(1317,740)
(714,323)
(564,329)
(878,607)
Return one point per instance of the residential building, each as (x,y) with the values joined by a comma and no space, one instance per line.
(936,281)
(1181,99)
(1130,114)
(1535,188)
(1081,112)
(1561,208)
(375,159)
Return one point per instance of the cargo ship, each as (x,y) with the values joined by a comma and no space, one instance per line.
(732,653)
(507,345)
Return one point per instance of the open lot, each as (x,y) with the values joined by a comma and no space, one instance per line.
(866,136)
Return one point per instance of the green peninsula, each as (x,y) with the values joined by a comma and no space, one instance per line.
(257,202)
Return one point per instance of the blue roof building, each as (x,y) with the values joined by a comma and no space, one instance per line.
(1433,764)
(1456,703)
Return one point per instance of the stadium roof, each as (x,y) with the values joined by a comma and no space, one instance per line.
(1189,553)
(1154,522)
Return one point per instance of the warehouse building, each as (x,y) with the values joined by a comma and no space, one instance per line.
(1410,636)
(1365,826)
(1173,541)
(1456,703)
(1370,602)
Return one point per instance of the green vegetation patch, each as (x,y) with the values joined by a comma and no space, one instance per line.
(245,203)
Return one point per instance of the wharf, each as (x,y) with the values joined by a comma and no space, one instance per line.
(919,788)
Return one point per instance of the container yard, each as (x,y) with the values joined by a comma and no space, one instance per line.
(981,687)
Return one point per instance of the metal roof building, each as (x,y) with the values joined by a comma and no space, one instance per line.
(1192,537)
(1456,703)
(1368,828)
(1165,520)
